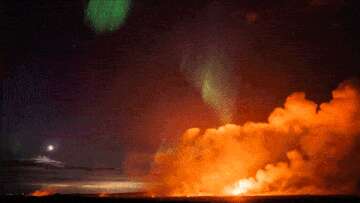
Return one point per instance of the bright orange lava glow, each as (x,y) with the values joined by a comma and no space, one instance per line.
(42,192)
(103,194)
(304,148)
(241,187)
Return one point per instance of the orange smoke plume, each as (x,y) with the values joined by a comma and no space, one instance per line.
(304,148)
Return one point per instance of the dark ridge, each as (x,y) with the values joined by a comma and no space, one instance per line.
(140,198)
(31,163)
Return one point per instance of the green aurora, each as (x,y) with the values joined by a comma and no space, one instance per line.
(107,15)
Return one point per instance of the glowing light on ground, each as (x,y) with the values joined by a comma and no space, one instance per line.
(102,188)
(42,192)
(241,187)
(103,194)
(113,185)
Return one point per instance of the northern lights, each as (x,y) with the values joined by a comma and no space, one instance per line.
(107,16)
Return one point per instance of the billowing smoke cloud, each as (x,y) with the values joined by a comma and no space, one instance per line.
(303,148)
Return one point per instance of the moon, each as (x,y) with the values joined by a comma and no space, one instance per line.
(50,148)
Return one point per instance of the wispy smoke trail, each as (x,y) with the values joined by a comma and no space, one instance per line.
(207,62)
(210,71)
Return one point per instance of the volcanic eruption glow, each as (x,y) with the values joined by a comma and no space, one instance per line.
(304,148)
(42,192)
(241,187)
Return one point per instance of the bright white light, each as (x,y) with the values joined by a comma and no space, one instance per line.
(241,187)
(50,148)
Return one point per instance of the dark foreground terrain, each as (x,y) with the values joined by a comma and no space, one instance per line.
(120,198)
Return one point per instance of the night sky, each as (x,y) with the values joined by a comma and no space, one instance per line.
(101,98)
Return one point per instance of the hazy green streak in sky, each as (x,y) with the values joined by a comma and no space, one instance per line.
(216,89)
(210,71)
(107,15)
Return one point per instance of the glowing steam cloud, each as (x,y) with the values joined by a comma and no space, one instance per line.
(304,148)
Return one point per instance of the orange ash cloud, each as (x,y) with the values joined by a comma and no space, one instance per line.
(304,148)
